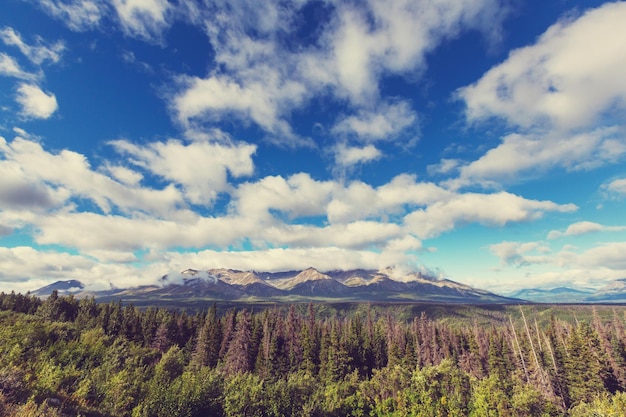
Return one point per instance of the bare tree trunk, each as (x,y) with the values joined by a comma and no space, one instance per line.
(519,348)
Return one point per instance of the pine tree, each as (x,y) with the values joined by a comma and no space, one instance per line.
(208,341)
(237,359)
(292,340)
(309,335)
(333,355)
(228,328)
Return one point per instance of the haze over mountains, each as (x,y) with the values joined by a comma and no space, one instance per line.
(614,292)
(308,284)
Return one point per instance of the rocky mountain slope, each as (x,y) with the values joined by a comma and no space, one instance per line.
(61,287)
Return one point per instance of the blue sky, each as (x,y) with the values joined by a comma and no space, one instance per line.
(479,140)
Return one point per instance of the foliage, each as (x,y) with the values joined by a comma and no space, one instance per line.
(68,357)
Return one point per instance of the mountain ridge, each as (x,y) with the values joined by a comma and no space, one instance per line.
(301,285)
(613,292)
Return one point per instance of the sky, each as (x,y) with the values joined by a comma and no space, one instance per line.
(482,141)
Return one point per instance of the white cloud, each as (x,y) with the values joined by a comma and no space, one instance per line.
(532,154)
(356,235)
(496,209)
(35,102)
(616,187)
(565,79)
(297,196)
(78,15)
(346,156)
(88,231)
(566,96)
(10,68)
(516,253)
(358,200)
(393,36)
(588,268)
(201,168)
(37,54)
(283,259)
(20,191)
(260,79)
(267,213)
(445,166)
(384,123)
(26,269)
(404,244)
(608,255)
(261,98)
(69,174)
(582,228)
(143,18)
(124,175)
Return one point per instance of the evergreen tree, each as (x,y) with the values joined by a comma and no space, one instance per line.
(237,359)
(208,341)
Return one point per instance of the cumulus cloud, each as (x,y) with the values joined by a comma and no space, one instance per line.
(496,210)
(285,259)
(270,212)
(587,268)
(262,80)
(383,124)
(355,235)
(17,191)
(92,231)
(35,103)
(296,196)
(616,187)
(347,156)
(358,201)
(582,228)
(564,79)
(531,154)
(262,98)
(404,244)
(200,168)
(123,174)
(608,255)
(69,174)
(393,36)
(26,269)
(564,94)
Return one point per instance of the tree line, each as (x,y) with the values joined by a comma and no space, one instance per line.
(67,357)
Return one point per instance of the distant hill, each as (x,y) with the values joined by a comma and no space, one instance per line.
(554,295)
(612,292)
(289,286)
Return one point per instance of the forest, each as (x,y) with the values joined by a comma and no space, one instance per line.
(67,357)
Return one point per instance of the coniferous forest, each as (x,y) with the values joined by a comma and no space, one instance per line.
(67,357)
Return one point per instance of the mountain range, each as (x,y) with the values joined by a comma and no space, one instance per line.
(302,285)
(613,292)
